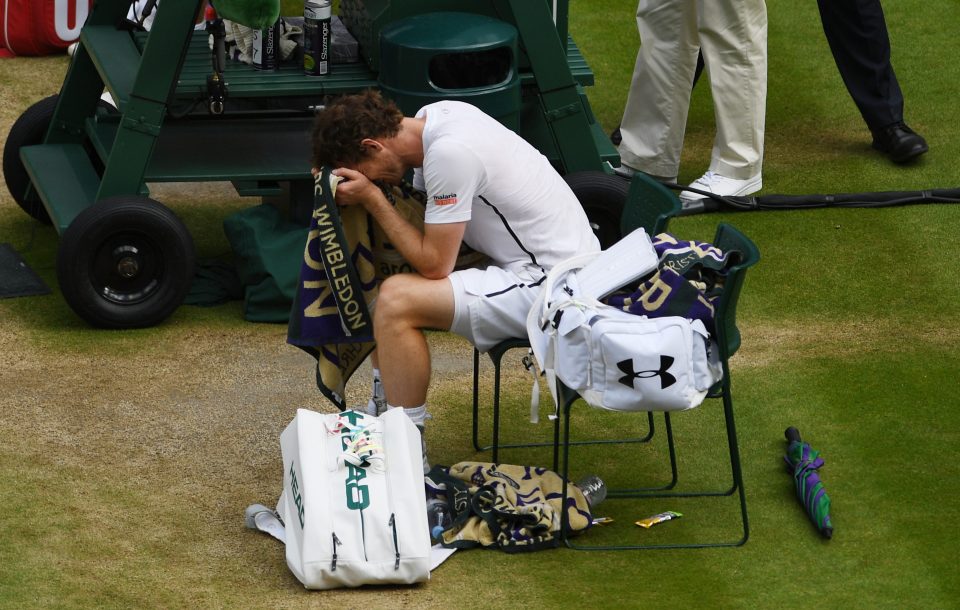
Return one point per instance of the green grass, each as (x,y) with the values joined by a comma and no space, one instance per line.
(127,458)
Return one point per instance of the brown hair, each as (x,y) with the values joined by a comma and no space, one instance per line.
(344,123)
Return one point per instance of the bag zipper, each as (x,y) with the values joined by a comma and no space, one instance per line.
(392,522)
(336,541)
(396,545)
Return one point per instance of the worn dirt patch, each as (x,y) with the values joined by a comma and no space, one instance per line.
(766,344)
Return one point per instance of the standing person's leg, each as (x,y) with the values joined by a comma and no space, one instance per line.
(733,37)
(655,115)
(857,34)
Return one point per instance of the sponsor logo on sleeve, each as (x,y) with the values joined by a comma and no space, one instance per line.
(445,199)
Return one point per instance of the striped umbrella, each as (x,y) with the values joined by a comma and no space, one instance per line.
(803,462)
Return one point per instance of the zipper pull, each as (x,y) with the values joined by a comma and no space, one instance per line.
(396,545)
(336,541)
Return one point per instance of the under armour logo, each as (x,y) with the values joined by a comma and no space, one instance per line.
(666,379)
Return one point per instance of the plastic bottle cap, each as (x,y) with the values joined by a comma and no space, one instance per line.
(436,531)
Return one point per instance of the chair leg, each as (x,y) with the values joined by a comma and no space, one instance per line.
(496,356)
(735,465)
(674,476)
(476,401)
(565,473)
(556,445)
(496,412)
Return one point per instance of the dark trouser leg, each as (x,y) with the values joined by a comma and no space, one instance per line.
(857,34)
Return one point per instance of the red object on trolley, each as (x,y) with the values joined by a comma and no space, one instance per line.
(40,27)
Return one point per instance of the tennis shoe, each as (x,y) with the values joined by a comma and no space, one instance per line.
(713,182)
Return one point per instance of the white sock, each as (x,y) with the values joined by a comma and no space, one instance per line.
(418,415)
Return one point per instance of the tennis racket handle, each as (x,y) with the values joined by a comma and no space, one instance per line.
(792,434)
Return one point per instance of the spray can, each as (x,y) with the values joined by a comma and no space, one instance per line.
(265,51)
(316,37)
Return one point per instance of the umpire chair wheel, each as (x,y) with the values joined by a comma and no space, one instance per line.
(602,197)
(27,130)
(125,262)
(30,129)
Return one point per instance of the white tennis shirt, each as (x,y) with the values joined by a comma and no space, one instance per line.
(520,212)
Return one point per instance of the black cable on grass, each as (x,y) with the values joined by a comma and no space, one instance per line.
(716,203)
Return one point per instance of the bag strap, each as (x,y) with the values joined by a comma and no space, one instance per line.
(559,271)
(546,311)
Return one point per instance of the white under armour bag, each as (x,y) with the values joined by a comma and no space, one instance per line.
(353,501)
(614,359)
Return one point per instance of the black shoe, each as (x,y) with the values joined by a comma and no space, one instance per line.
(899,142)
(615,136)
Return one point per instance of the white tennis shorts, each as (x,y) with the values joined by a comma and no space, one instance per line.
(491,305)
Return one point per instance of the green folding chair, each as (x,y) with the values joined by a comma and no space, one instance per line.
(649,205)
(728,239)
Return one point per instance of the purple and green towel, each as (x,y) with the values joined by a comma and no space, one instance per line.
(687,282)
(345,259)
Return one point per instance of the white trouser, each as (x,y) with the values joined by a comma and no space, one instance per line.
(733,37)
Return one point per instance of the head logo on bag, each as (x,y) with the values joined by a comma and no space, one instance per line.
(666,379)
(358,496)
(295,490)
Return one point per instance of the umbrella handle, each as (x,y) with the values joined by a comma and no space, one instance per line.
(792,434)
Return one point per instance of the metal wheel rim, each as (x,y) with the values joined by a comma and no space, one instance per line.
(127,268)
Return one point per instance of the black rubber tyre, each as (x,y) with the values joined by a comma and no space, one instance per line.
(602,197)
(126,262)
(28,130)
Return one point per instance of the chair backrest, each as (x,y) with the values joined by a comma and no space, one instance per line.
(649,205)
(731,240)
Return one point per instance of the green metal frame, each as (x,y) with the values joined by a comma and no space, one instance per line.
(159,78)
(565,110)
(141,82)
(728,239)
(649,206)
(89,156)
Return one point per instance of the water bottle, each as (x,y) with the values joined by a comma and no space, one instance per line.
(438,517)
(593,488)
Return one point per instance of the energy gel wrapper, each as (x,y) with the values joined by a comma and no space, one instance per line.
(659,518)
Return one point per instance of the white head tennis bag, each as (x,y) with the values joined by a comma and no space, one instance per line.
(353,501)
(614,359)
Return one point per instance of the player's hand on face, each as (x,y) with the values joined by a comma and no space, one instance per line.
(355,188)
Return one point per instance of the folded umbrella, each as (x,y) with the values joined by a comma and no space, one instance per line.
(803,462)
